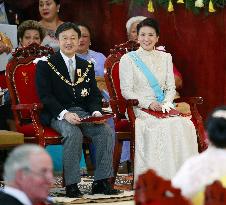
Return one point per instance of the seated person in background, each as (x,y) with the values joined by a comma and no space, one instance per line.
(28,32)
(28,176)
(49,12)
(131,27)
(203,169)
(161,144)
(67,88)
(84,52)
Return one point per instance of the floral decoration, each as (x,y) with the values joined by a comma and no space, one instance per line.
(208,6)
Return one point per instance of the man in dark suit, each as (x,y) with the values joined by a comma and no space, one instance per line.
(67,87)
(28,175)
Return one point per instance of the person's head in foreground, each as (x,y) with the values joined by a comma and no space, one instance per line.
(216,127)
(131,27)
(68,35)
(29,32)
(148,33)
(29,169)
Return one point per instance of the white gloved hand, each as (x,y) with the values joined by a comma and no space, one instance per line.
(167,106)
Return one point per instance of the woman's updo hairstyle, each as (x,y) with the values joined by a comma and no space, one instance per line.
(150,22)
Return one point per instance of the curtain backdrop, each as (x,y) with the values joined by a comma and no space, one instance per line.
(196,42)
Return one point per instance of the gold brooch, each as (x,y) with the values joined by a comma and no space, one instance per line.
(79,72)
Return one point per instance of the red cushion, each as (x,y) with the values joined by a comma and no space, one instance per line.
(28,131)
(24,79)
(122,126)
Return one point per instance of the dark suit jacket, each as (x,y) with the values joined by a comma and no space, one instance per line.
(6,199)
(13,15)
(57,95)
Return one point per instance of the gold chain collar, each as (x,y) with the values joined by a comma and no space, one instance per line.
(80,79)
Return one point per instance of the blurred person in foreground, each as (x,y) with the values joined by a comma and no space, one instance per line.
(28,175)
(203,169)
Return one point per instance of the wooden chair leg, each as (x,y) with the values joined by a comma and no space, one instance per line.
(116,158)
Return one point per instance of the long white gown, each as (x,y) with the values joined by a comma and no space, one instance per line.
(160,144)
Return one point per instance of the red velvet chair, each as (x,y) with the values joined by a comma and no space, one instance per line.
(26,105)
(125,129)
(152,189)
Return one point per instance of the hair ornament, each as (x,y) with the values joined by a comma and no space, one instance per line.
(220,113)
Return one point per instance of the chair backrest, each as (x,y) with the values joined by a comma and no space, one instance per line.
(215,194)
(112,76)
(20,77)
(152,189)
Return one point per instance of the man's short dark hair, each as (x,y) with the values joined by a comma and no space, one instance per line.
(67,26)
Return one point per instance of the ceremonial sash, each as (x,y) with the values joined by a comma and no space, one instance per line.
(148,74)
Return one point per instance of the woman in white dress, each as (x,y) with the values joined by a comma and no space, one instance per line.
(160,144)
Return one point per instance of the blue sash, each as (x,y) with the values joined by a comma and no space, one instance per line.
(148,74)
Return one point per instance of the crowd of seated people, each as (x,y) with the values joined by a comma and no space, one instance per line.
(43,32)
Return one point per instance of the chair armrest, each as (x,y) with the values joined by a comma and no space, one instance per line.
(197,119)
(34,106)
(130,102)
(190,100)
(34,109)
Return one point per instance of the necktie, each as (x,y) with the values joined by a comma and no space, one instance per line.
(71,70)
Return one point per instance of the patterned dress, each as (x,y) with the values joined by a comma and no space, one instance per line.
(160,144)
